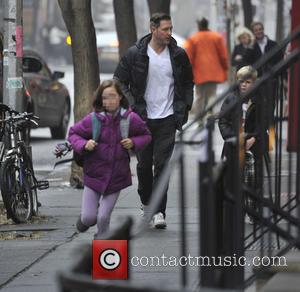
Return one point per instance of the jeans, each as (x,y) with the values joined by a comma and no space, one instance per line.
(155,155)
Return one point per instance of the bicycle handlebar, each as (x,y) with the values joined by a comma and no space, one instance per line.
(19,116)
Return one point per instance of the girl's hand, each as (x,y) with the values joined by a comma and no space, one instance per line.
(249,143)
(127,143)
(90,145)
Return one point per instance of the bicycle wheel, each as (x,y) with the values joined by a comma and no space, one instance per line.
(28,169)
(31,180)
(16,191)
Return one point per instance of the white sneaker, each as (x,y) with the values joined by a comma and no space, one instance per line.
(159,221)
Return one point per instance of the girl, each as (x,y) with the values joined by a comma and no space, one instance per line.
(106,169)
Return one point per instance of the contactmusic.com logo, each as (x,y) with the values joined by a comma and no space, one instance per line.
(110,259)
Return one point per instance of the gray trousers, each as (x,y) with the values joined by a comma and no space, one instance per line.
(206,94)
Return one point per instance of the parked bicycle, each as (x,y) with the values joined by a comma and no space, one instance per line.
(18,182)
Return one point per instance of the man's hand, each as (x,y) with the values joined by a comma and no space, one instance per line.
(127,143)
(90,145)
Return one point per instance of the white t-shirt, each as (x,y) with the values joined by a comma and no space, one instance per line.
(159,92)
(262,44)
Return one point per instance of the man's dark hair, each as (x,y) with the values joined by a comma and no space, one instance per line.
(254,23)
(156,18)
(202,23)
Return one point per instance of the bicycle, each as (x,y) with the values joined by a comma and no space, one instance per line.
(18,182)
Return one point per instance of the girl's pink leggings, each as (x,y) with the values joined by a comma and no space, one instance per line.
(96,208)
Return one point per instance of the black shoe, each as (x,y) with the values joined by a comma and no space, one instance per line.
(39,204)
(80,226)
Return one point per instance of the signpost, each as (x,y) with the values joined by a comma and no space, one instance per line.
(13,54)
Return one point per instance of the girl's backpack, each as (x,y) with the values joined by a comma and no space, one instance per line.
(62,149)
(96,127)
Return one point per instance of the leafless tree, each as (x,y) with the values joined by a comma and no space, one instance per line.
(248,13)
(78,20)
(280,22)
(125,24)
(159,6)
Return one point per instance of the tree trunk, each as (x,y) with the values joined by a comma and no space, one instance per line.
(159,6)
(279,22)
(78,20)
(125,24)
(248,13)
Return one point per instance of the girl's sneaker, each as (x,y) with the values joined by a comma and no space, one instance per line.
(80,226)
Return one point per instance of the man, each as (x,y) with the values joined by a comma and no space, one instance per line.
(208,55)
(157,79)
(262,45)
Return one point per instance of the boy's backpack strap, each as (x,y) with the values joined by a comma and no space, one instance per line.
(96,127)
(124,126)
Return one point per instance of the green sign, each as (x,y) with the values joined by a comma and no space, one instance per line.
(14,82)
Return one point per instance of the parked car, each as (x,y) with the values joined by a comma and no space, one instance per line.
(48,98)
(108,49)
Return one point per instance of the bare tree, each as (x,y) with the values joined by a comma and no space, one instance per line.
(248,13)
(159,6)
(78,20)
(280,22)
(125,24)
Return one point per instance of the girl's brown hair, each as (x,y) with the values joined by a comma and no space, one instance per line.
(98,104)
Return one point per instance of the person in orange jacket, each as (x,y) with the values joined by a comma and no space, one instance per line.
(208,55)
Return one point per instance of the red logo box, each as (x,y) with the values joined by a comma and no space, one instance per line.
(110,259)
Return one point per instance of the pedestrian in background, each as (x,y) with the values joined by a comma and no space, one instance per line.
(157,78)
(106,169)
(243,48)
(262,45)
(208,55)
(250,131)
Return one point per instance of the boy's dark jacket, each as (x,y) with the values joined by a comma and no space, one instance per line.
(228,120)
(132,72)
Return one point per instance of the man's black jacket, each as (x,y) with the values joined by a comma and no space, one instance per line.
(256,54)
(132,72)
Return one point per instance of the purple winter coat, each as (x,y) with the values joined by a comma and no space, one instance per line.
(106,169)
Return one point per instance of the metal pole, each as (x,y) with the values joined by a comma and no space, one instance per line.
(184,279)
(207,208)
(13,54)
